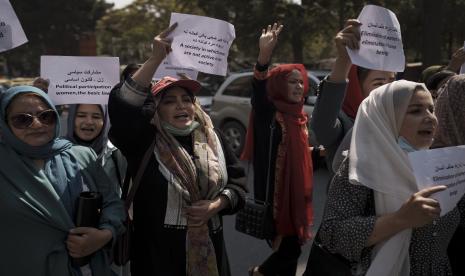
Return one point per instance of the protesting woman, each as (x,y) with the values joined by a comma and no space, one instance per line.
(451,132)
(88,126)
(192,177)
(283,162)
(41,179)
(338,100)
(375,215)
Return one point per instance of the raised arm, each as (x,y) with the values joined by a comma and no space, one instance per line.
(161,47)
(325,123)
(130,106)
(267,43)
(347,37)
(456,61)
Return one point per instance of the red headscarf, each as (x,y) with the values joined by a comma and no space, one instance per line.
(354,95)
(293,212)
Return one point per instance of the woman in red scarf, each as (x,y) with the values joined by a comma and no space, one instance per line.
(277,142)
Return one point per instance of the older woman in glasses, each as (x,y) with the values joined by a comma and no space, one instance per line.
(41,177)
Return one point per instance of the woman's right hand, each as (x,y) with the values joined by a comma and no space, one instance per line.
(161,45)
(349,36)
(267,42)
(420,209)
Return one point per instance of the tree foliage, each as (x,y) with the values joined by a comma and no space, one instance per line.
(52,27)
(432,30)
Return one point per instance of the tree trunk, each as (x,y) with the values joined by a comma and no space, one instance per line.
(432,28)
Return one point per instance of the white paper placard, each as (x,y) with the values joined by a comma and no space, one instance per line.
(462,68)
(11,33)
(167,70)
(380,41)
(76,80)
(201,43)
(443,166)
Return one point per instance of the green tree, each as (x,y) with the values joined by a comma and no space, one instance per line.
(52,27)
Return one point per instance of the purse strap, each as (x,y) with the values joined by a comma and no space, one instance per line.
(268,176)
(135,184)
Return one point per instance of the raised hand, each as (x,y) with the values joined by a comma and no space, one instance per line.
(456,61)
(161,44)
(267,42)
(349,36)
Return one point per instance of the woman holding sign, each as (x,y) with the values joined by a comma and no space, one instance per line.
(338,100)
(451,132)
(277,142)
(41,179)
(192,177)
(375,217)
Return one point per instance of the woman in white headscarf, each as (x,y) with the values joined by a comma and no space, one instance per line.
(375,215)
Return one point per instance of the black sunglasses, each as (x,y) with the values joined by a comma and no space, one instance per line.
(25,120)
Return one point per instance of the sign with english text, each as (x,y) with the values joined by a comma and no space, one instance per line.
(11,33)
(380,41)
(201,43)
(442,166)
(74,80)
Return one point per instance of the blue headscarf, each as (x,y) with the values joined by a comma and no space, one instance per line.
(55,146)
(61,168)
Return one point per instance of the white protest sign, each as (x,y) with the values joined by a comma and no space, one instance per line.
(11,32)
(76,80)
(296,2)
(167,70)
(201,43)
(380,41)
(462,69)
(443,166)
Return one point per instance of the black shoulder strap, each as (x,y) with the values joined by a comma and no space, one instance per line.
(136,181)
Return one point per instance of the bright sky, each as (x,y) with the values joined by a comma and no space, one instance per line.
(120,3)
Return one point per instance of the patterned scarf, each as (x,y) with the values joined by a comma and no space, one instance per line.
(190,181)
(449,110)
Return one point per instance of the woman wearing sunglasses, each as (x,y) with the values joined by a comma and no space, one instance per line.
(41,177)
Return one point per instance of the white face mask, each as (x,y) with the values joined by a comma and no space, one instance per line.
(405,145)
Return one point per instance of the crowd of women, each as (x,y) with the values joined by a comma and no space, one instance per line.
(188,178)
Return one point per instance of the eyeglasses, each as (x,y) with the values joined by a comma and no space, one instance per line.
(25,120)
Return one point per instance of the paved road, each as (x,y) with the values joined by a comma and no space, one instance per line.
(245,251)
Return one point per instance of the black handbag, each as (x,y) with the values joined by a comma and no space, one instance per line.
(321,262)
(256,218)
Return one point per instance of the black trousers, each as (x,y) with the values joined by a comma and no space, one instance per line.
(283,262)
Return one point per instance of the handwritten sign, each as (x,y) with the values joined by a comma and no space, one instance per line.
(201,43)
(76,80)
(11,32)
(167,70)
(444,166)
(462,68)
(380,41)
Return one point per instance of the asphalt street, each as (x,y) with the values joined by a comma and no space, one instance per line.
(245,251)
